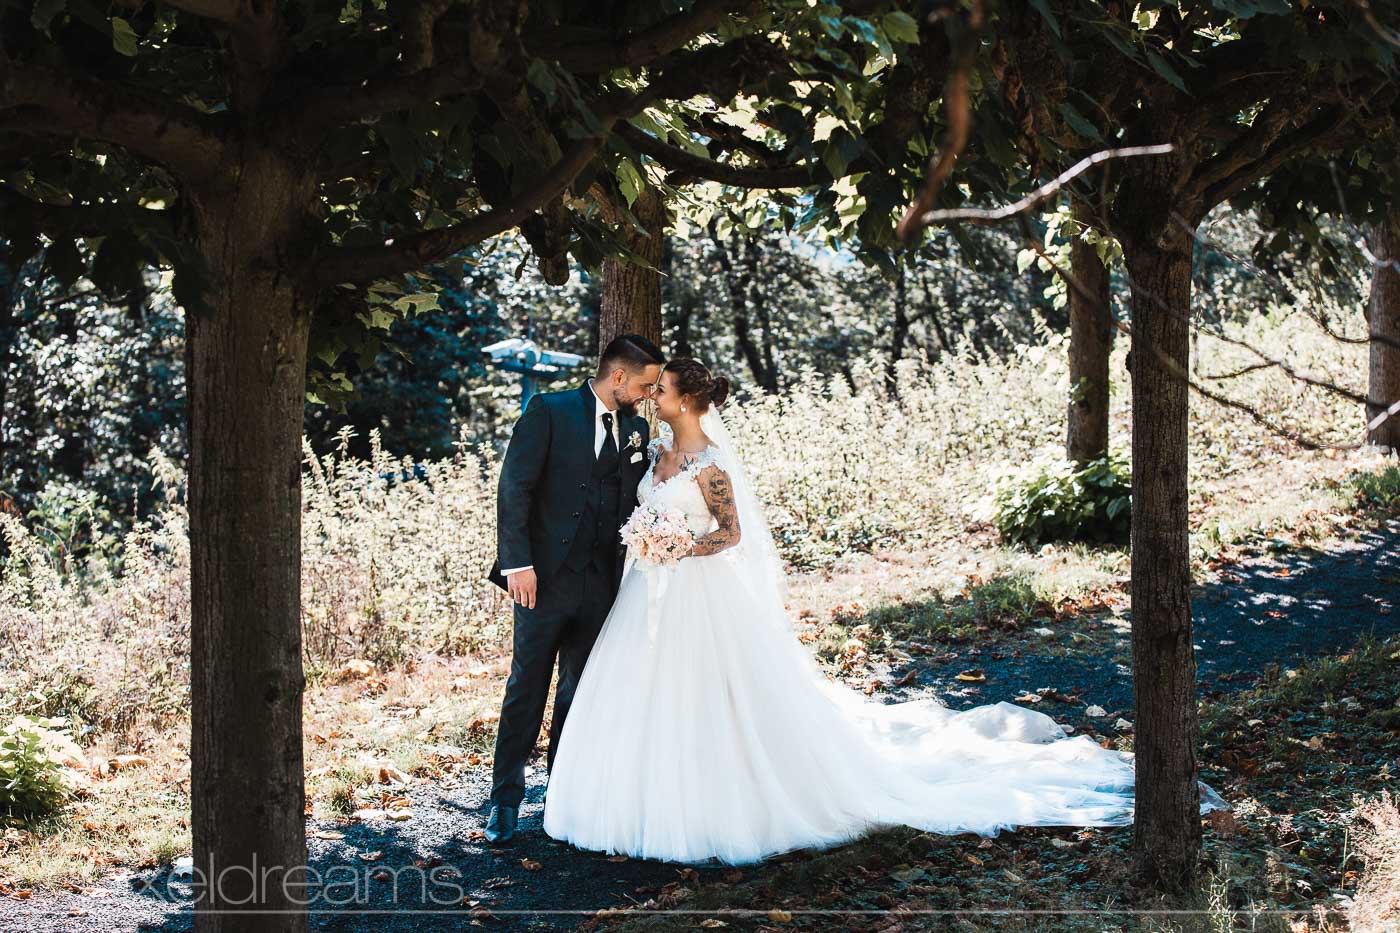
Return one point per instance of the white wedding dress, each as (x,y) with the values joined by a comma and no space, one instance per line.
(702,727)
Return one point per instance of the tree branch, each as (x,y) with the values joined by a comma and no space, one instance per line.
(957,102)
(1045,191)
(73,219)
(758,176)
(323,108)
(416,43)
(720,70)
(415,251)
(187,142)
(639,48)
(485,46)
(1249,142)
(221,11)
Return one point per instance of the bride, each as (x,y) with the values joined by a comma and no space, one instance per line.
(702,728)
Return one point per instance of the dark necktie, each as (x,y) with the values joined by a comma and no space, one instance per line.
(609,448)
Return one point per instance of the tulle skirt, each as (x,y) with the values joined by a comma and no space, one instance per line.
(702,728)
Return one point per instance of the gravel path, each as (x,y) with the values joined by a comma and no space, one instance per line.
(1276,609)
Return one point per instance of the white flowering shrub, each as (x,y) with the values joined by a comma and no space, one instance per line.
(395,552)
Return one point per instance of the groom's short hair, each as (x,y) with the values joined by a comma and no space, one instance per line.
(632,352)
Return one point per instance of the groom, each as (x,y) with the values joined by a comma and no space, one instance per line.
(568,483)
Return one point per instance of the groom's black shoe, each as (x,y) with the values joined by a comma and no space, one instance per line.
(501,826)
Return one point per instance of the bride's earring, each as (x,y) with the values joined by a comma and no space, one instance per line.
(682,408)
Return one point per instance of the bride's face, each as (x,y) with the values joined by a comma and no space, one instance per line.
(669,401)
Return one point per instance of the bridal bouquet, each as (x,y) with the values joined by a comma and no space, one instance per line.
(659,536)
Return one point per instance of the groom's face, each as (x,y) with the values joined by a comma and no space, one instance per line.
(629,388)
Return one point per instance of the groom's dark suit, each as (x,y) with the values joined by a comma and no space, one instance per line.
(559,507)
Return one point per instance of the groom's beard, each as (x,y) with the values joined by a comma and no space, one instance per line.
(624,407)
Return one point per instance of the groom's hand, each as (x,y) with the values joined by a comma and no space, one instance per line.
(522,587)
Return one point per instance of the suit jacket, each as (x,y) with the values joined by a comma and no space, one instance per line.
(544,479)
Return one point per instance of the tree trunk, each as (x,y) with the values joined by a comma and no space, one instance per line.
(1383,317)
(747,292)
(8,335)
(899,333)
(931,310)
(1090,340)
(1167,828)
(246,364)
(631,293)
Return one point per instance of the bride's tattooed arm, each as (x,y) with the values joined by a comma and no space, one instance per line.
(719,496)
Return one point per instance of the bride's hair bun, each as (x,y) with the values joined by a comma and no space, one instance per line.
(693,378)
(719,390)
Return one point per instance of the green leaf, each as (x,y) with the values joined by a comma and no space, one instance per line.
(629,180)
(900,26)
(1044,10)
(1244,9)
(44,13)
(1160,65)
(1078,122)
(542,78)
(123,37)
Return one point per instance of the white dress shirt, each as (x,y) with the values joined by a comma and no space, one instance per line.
(599,409)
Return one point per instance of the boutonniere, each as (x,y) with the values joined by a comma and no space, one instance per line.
(634,441)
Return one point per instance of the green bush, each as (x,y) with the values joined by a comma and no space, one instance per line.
(1049,499)
(33,779)
(1379,489)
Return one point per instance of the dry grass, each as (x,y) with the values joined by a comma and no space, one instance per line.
(1376,904)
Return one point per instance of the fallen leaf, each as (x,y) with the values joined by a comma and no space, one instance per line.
(778,915)
(530,864)
(388,774)
(327,834)
(973,675)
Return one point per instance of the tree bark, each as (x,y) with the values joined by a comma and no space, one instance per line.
(1383,319)
(898,334)
(246,363)
(631,293)
(8,336)
(1090,341)
(1167,830)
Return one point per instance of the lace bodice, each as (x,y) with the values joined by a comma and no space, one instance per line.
(681,491)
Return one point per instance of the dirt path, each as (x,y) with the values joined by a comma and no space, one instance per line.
(1275,609)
